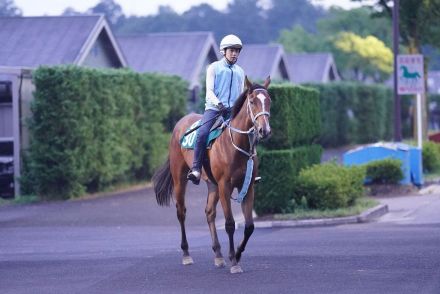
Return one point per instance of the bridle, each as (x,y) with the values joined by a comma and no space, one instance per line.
(251,133)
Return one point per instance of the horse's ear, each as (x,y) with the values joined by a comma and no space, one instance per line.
(248,83)
(267,82)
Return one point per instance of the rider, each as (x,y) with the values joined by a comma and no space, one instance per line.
(224,83)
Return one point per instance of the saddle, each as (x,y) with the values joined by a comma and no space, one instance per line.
(189,141)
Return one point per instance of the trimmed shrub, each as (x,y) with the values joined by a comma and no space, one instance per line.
(355,113)
(93,128)
(385,171)
(431,156)
(295,117)
(279,169)
(329,186)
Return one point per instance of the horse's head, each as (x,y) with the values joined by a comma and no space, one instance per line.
(258,107)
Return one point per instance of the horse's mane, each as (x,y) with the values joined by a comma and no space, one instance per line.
(242,98)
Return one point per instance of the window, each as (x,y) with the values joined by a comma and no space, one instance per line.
(5,92)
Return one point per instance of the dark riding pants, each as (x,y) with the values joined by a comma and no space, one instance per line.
(202,136)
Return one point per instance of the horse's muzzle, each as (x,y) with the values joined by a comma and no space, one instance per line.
(264,132)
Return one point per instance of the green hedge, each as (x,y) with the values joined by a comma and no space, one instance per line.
(295,117)
(355,113)
(93,128)
(279,170)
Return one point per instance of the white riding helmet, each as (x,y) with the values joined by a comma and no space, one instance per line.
(230,41)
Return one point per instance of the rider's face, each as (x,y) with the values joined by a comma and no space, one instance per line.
(231,55)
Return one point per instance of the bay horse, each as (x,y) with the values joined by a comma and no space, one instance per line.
(224,169)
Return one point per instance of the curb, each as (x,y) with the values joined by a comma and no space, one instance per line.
(364,217)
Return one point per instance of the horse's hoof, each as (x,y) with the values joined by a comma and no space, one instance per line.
(236,269)
(187,260)
(219,262)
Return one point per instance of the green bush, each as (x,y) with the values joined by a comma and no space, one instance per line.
(385,171)
(279,169)
(329,186)
(93,128)
(431,156)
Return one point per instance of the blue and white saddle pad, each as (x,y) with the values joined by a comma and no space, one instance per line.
(189,141)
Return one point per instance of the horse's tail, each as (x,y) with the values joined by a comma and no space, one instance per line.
(163,184)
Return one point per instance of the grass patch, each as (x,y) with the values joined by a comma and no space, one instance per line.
(120,188)
(432,176)
(359,206)
(25,199)
(114,189)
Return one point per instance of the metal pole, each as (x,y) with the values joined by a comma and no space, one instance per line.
(419,121)
(397,114)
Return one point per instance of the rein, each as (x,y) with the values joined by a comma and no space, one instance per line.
(251,133)
(253,140)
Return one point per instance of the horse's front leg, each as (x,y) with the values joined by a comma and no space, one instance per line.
(247,207)
(210,210)
(225,191)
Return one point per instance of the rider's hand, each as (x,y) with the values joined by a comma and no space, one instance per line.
(221,108)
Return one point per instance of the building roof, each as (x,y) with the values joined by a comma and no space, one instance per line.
(185,54)
(53,40)
(260,60)
(311,68)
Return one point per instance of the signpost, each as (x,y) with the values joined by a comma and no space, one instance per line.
(410,81)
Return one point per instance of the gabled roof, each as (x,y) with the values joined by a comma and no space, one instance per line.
(259,61)
(53,40)
(184,54)
(311,67)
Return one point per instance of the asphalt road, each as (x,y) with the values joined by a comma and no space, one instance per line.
(127,244)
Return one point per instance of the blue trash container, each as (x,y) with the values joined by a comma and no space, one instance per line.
(410,157)
(416,165)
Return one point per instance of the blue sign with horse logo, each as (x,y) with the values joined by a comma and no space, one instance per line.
(410,74)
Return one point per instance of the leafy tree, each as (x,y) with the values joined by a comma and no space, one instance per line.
(419,24)
(111,9)
(286,13)
(419,21)
(8,8)
(69,11)
(202,17)
(359,21)
(340,33)
(245,19)
(167,20)
(298,40)
(365,57)
(253,22)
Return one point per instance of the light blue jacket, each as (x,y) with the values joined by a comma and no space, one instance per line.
(228,84)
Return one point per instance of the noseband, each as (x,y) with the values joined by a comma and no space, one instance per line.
(254,117)
(251,133)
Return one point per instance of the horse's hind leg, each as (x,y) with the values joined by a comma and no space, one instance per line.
(179,190)
(210,210)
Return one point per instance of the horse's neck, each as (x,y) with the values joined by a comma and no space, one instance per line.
(242,122)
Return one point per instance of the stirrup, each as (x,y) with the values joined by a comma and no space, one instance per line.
(194,176)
